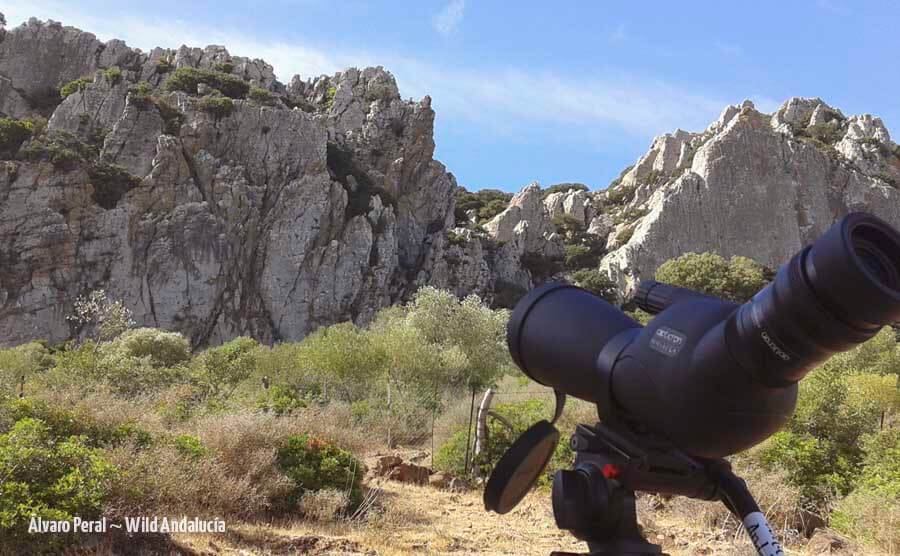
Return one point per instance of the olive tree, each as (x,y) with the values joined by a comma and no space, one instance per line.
(736,279)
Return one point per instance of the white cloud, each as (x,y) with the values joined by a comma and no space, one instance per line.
(505,101)
(448,19)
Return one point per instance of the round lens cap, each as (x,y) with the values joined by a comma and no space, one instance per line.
(520,467)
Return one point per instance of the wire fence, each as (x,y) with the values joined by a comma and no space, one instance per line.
(452,416)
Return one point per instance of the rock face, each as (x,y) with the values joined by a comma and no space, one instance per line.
(751,184)
(289,207)
(284,210)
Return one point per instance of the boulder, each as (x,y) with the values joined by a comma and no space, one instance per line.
(409,473)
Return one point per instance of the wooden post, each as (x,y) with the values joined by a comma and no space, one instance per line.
(481,430)
(469,432)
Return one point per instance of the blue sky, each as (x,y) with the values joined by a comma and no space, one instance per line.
(547,91)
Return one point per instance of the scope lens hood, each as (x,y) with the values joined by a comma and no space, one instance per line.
(854,270)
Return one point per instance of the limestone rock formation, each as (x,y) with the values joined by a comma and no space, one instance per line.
(268,214)
(751,184)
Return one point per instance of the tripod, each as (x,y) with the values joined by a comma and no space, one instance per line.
(596,500)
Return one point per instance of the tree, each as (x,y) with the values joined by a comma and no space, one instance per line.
(109,318)
(466,325)
(737,279)
(597,282)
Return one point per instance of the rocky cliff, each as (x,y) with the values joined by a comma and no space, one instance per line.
(215,200)
(211,198)
(751,184)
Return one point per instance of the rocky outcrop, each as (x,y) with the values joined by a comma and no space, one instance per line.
(269,214)
(751,184)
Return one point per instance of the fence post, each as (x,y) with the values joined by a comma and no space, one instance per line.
(481,422)
(469,432)
(481,431)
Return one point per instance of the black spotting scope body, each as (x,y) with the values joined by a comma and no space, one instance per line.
(711,376)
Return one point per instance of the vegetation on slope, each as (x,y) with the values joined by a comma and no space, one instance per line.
(250,432)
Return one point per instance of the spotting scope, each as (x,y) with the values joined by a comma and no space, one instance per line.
(704,379)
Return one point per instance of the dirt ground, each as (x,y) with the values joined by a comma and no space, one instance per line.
(410,519)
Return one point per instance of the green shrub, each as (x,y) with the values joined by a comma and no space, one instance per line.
(625,234)
(113,75)
(186,79)
(12,134)
(486,203)
(619,194)
(63,423)
(163,65)
(60,148)
(281,400)
(315,465)
(224,67)
(262,96)
(219,107)
(563,188)
(451,455)
(190,446)
(165,349)
(737,279)
(329,97)
(881,464)
(140,95)
(110,183)
(597,282)
(47,478)
(218,371)
(22,361)
(456,239)
(75,86)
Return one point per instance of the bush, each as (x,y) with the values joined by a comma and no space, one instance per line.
(224,67)
(737,279)
(163,65)
(218,371)
(110,183)
(624,235)
(12,134)
(75,86)
(63,423)
(598,283)
(60,148)
(315,465)
(22,361)
(140,95)
(51,479)
(281,400)
(329,97)
(219,107)
(190,446)
(262,96)
(450,457)
(186,79)
(113,75)
(165,349)
(563,188)
(487,203)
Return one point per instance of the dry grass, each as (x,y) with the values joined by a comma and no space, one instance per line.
(414,520)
